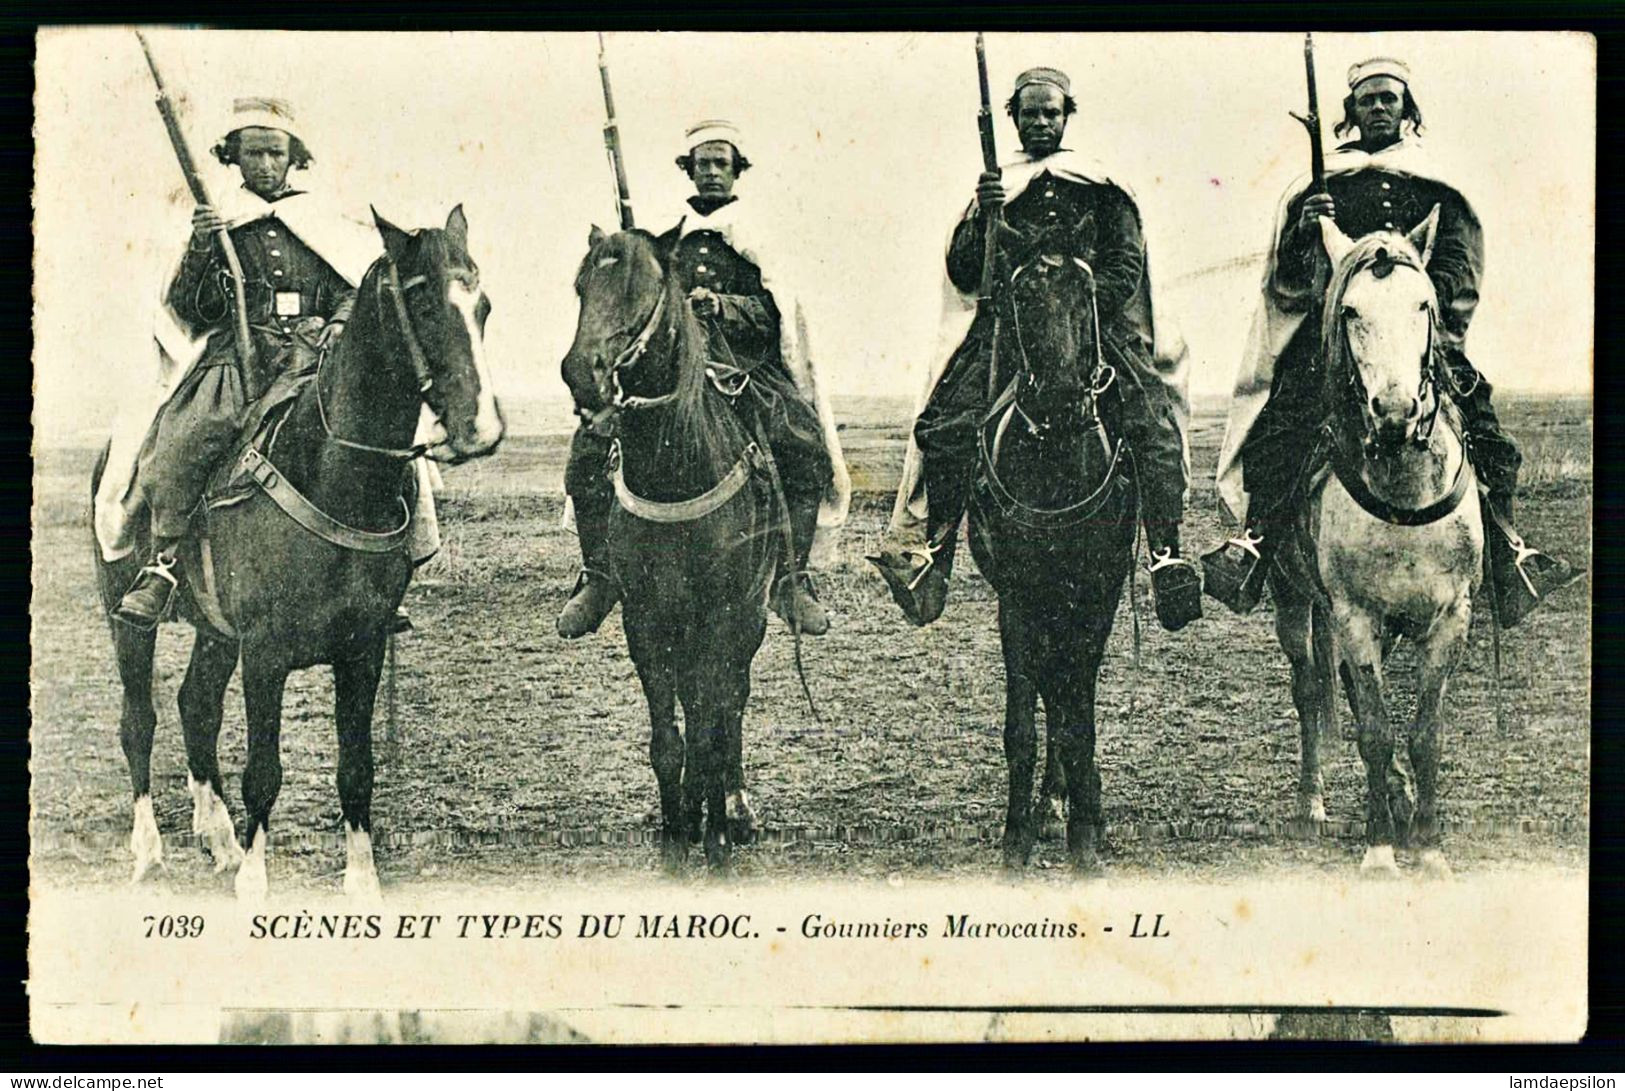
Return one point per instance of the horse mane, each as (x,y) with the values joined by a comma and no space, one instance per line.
(695,424)
(1336,359)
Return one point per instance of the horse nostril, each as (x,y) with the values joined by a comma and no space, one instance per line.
(1415,409)
(1376,406)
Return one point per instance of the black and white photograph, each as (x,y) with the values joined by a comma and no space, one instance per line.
(791,537)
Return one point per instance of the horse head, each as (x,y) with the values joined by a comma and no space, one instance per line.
(629,300)
(1378,331)
(430,291)
(1048,307)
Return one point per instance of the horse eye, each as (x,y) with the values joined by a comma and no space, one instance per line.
(1349,312)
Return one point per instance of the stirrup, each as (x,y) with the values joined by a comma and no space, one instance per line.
(1164,558)
(1249,541)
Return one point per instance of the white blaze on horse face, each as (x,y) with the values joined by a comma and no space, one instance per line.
(487,421)
(1387,320)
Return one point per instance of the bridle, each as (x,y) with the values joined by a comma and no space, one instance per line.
(1429,391)
(396,290)
(1008,405)
(1100,377)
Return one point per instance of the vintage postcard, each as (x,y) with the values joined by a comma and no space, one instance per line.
(791,537)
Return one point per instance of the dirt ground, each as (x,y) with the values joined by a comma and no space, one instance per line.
(514,754)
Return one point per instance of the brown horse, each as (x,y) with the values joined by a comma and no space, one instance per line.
(1052,529)
(295,597)
(695,534)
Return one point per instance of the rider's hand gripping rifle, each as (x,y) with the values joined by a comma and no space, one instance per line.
(200,194)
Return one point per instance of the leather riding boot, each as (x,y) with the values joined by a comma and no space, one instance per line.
(794,597)
(1176,583)
(1522,575)
(596,592)
(1235,573)
(917,576)
(150,597)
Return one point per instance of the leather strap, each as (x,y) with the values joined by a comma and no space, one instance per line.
(1375,506)
(297,507)
(686,511)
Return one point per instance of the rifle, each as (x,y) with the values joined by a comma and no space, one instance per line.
(200,194)
(990,163)
(1311,121)
(612,141)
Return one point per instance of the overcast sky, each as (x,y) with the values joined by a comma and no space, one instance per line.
(866,150)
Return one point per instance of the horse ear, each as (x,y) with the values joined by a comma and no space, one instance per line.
(1337,244)
(1422,235)
(666,244)
(457,227)
(595,236)
(395,239)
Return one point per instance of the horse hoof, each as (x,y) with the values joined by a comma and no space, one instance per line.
(1052,824)
(1087,865)
(362,887)
(1435,866)
(742,823)
(211,823)
(673,855)
(251,884)
(146,843)
(1314,809)
(1379,863)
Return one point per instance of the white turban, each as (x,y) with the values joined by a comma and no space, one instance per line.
(704,132)
(261,113)
(1379,66)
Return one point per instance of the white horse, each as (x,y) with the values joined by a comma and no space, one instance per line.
(1394,537)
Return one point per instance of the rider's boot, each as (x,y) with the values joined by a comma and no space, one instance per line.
(794,597)
(917,575)
(150,597)
(1521,575)
(596,592)
(1235,573)
(1176,583)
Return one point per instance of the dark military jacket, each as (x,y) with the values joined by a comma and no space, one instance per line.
(749,320)
(1376,199)
(1110,240)
(284,282)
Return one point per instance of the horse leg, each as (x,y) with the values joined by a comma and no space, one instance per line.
(711,737)
(1072,714)
(1401,786)
(1051,808)
(202,701)
(133,650)
(742,820)
(355,690)
(1360,644)
(1020,737)
(264,679)
(693,784)
(666,755)
(1294,628)
(1439,654)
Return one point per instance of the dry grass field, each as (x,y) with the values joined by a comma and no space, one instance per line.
(513,754)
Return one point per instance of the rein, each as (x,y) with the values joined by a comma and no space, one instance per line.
(1008,405)
(396,291)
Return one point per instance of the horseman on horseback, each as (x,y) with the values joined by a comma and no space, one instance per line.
(756,349)
(1047,189)
(300,262)
(1383,181)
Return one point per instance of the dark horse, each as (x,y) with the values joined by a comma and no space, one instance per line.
(694,536)
(296,599)
(1052,529)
